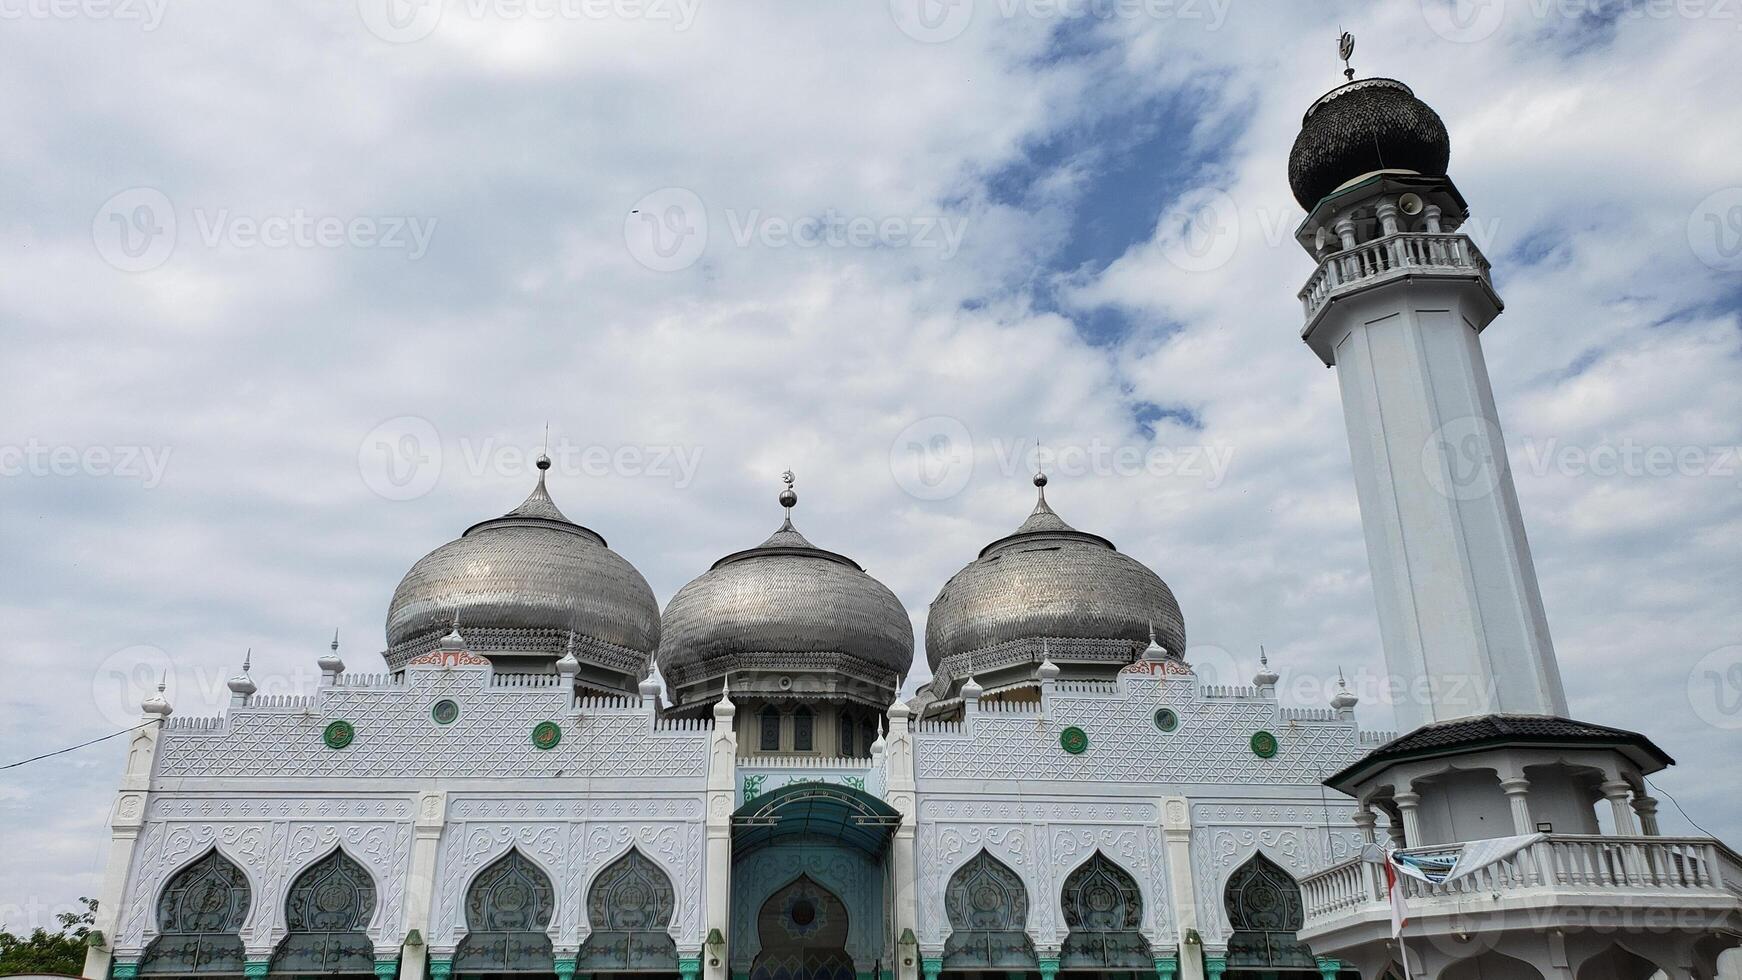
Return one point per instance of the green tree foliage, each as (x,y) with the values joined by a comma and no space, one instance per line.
(50,952)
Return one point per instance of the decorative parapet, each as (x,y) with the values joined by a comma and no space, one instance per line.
(1390,257)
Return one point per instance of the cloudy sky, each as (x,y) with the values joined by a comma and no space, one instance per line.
(292,289)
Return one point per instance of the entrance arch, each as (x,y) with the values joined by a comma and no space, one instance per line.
(1265,911)
(325,915)
(629,907)
(818,852)
(987,905)
(508,912)
(1104,912)
(803,928)
(199,918)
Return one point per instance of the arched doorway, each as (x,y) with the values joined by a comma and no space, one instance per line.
(1265,911)
(1104,912)
(629,907)
(199,918)
(803,930)
(809,884)
(987,905)
(508,910)
(1491,966)
(325,913)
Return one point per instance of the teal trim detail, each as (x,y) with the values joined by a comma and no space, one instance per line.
(256,968)
(1049,967)
(440,969)
(930,967)
(689,967)
(387,967)
(564,967)
(1166,967)
(1329,967)
(1215,966)
(125,971)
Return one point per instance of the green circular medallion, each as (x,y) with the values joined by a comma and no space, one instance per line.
(546,734)
(1166,719)
(1074,740)
(444,711)
(1263,745)
(339,734)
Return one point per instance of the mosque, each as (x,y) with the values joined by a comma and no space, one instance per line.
(548,776)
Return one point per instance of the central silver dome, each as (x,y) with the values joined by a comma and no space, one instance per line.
(1047,590)
(789,618)
(520,585)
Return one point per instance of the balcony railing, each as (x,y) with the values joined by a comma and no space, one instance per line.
(1392,255)
(1664,866)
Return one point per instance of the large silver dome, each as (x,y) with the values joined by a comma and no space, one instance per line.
(1048,590)
(520,585)
(786,618)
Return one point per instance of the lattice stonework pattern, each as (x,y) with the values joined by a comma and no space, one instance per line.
(1211,745)
(395,735)
(272,840)
(1042,841)
(573,841)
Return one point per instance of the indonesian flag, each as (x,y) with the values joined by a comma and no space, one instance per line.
(1394,891)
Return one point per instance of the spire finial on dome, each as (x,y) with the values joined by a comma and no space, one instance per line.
(1345,51)
(1344,700)
(1265,676)
(242,686)
(788,496)
(335,643)
(248,660)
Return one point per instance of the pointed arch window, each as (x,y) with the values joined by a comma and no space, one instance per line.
(1104,912)
(508,910)
(630,906)
(769,734)
(987,905)
(1265,910)
(199,917)
(803,730)
(326,912)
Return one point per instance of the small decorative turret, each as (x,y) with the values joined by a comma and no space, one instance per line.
(330,664)
(1265,680)
(1344,700)
(567,666)
(651,686)
(1155,651)
(454,642)
(724,709)
(157,706)
(1047,671)
(971,691)
(242,686)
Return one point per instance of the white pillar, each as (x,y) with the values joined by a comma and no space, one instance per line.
(1407,804)
(125,822)
(1617,791)
(1517,789)
(1176,834)
(426,836)
(903,856)
(717,874)
(1646,808)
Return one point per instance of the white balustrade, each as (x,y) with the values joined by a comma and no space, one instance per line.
(1388,256)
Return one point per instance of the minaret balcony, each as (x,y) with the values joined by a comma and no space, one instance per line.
(1562,880)
(1395,256)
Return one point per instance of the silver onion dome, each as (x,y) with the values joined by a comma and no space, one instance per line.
(786,618)
(519,586)
(1047,589)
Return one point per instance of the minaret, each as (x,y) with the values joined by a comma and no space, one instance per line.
(1397,305)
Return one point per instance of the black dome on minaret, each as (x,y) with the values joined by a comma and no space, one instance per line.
(1364,126)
